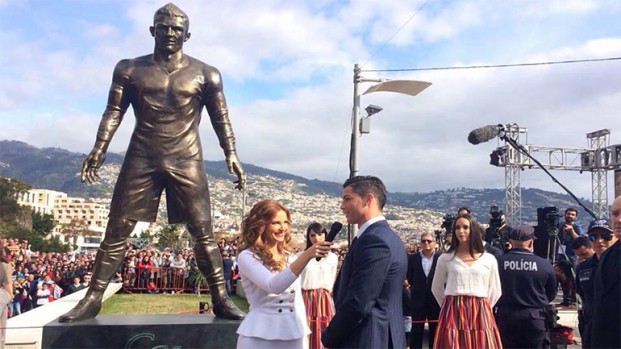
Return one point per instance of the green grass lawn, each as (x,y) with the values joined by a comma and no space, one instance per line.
(140,303)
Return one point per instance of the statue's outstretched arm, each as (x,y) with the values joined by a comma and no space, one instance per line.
(110,121)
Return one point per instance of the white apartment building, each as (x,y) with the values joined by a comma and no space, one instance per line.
(40,200)
(92,212)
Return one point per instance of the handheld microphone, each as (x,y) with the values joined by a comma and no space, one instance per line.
(335,229)
(484,134)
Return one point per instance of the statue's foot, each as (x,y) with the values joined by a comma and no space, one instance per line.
(226,309)
(86,309)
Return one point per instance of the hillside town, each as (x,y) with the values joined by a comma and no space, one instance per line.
(228,206)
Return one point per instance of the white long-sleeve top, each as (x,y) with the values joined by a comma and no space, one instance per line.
(276,306)
(480,279)
(320,274)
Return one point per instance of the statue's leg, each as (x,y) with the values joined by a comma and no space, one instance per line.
(109,258)
(209,261)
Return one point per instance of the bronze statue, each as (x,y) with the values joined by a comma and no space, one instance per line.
(167,91)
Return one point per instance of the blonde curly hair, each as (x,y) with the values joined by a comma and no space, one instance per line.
(255,238)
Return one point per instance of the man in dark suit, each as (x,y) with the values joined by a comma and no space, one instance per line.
(606,320)
(421,268)
(368,289)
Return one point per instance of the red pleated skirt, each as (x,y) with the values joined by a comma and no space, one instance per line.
(319,312)
(466,322)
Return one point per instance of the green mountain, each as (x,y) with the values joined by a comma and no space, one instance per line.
(59,169)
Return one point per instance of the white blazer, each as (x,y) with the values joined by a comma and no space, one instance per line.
(276,306)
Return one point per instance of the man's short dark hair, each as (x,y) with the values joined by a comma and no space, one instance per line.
(362,185)
(570,209)
(581,241)
(464,208)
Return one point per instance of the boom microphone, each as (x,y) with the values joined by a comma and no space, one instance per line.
(334,230)
(484,134)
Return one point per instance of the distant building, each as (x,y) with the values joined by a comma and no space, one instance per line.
(40,200)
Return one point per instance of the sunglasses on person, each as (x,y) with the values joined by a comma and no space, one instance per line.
(426,241)
(604,236)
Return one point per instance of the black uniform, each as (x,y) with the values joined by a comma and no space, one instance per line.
(585,284)
(528,286)
(606,320)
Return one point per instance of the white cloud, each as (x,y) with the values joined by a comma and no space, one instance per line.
(288,65)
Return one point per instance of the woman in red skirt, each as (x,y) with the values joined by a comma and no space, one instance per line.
(472,288)
(317,281)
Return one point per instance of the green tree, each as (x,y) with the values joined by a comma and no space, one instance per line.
(42,224)
(12,213)
(36,241)
(171,236)
(73,229)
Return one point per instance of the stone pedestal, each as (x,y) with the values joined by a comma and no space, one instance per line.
(143,331)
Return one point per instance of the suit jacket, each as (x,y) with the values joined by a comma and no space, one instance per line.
(368,293)
(420,285)
(606,319)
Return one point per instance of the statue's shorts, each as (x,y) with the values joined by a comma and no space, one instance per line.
(141,182)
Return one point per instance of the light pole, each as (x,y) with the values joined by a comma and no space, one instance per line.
(408,87)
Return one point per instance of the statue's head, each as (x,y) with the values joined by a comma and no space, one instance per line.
(171,10)
(170,28)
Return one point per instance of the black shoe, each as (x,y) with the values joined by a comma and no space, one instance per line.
(86,309)
(565,304)
(226,309)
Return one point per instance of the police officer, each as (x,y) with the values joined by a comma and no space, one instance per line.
(528,286)
(602,237)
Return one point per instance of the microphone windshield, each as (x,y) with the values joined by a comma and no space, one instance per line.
(483,134)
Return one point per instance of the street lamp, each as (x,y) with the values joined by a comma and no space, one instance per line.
(408,87)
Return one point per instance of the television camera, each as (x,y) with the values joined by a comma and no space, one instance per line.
(496,233)
(441,235)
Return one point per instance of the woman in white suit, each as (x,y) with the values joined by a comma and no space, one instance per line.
(269,274)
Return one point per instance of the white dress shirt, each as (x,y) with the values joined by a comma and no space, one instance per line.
(480,279)
(320,274)
(427,262)
(366,224)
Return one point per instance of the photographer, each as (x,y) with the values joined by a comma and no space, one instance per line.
(528,286)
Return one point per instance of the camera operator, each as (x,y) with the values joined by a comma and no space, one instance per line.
(496,233)
(528,286)
(568,230)
(443,237)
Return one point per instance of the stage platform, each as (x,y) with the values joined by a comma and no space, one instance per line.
(25,331)
(143,331)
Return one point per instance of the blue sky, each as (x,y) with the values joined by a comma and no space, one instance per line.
(287,70)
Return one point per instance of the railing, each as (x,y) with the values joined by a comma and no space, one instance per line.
(157,279)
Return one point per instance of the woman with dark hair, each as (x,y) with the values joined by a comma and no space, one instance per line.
(472,288)
(6,291)
(317,281)
(269,275)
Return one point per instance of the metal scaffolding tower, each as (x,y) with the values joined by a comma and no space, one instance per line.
(599,158)
(599,140)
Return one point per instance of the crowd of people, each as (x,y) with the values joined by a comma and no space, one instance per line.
(468,293)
